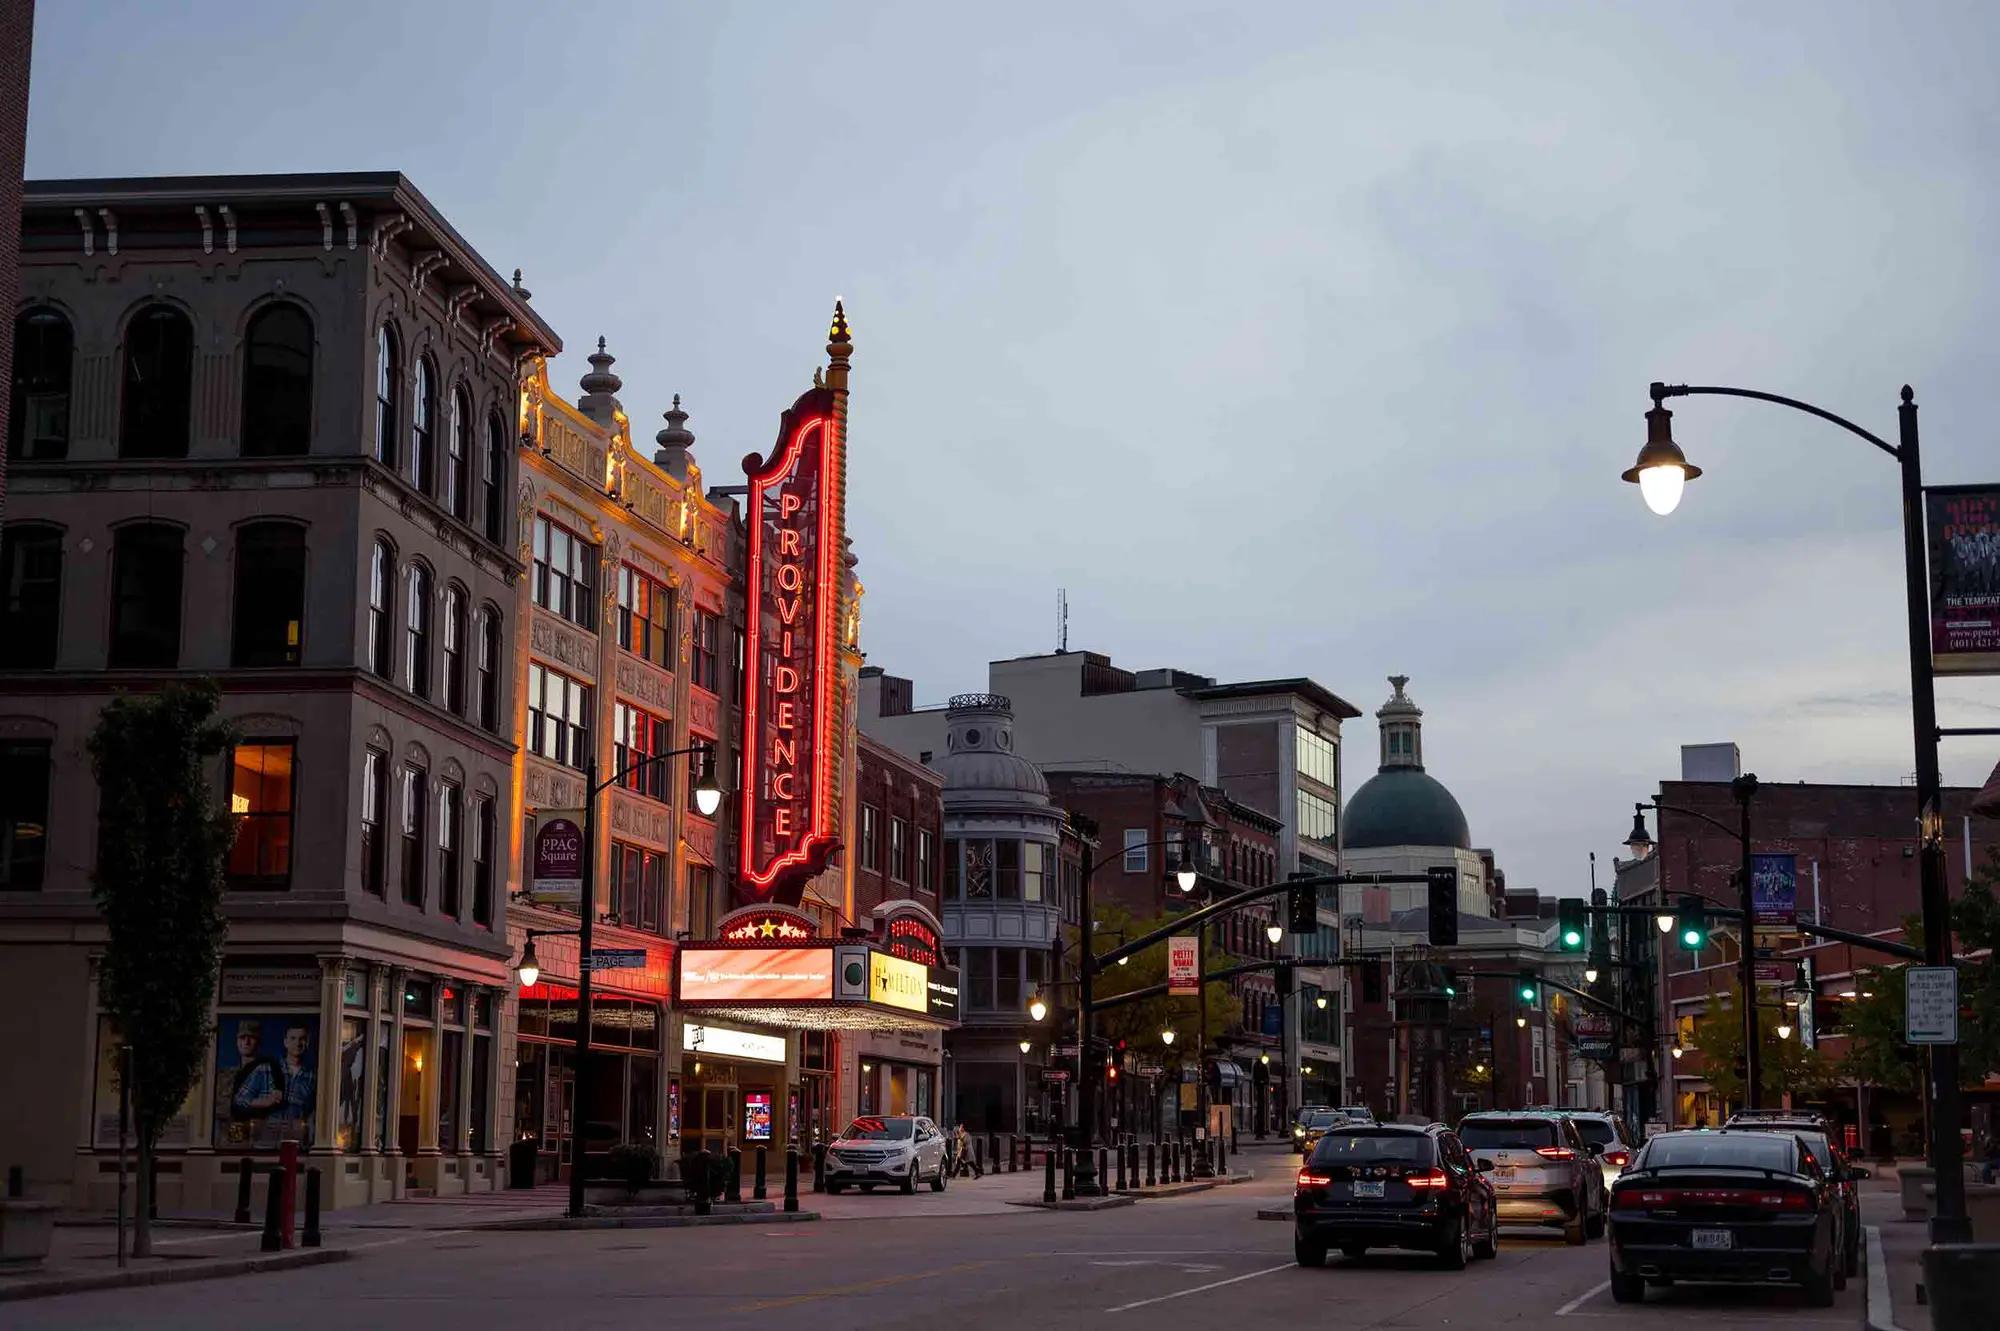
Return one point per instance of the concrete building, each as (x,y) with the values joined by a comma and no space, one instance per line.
(17,38)
(268,436)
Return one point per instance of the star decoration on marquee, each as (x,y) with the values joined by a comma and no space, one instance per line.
(770,929)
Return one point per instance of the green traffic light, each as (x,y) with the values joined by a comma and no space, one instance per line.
(1572,939)
(1691,938)
(1450,992)
(1527,993)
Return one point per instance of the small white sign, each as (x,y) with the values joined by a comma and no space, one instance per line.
(1930,1005)
(1184,964)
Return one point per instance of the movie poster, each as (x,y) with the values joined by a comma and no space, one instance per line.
(1963,523)
(266,1080)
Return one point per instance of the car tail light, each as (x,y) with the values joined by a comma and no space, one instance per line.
(1672,1198)
(1619,1158)
(1430,1178)
(1555,1152)
(1308,1179)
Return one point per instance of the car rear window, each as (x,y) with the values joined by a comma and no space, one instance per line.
(1319,1118)
(1506,1134)
(1595,1131)
(1754,1150)
(1351,1148)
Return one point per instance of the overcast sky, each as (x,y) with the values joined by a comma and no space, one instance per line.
(1291,339)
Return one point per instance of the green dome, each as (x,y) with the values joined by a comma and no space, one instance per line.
(1404,806)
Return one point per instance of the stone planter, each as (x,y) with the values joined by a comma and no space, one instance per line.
(1982,1208)
(1914,1180)
(660,1192)
(26,1229)
(1962,1281)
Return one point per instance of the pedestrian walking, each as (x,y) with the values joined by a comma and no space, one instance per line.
(965,1161)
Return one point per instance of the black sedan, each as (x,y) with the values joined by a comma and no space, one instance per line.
(1725,1206)
(1369,1185)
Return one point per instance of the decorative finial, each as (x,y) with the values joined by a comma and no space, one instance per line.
(1909,394)
(601,379)
(600,341)
(1397,682)
(839,333)
(520,290)
(676,435)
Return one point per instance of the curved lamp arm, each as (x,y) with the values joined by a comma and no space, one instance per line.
(1661,391)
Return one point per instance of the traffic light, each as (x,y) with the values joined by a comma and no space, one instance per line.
(1301,910)
(1443,882)
(1529,988)
(1691,925)
(1448,977)
(1572,925)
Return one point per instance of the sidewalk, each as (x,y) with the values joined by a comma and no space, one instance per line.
(1901,1244)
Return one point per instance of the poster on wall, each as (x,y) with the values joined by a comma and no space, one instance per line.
(353,1078)
(180,1128)
(1963,526)
(265,1083)
(1774,890)
(757,1116)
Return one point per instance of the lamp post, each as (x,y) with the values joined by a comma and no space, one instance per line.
(1661,472)
(708,798)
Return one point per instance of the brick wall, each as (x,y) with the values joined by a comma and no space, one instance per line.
(898,791)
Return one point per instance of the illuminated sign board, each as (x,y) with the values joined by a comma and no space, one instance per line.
(942,984)
(894,982)
(725,1042)
(794,610)
(755,975)
(765,924)
(914,939)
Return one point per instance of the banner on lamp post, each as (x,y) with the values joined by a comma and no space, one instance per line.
(1183,965)
(1962,523)
(556,862)
(1774,891)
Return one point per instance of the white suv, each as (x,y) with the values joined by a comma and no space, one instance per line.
(900,1149)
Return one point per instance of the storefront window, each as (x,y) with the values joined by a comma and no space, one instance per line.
(353,1078)
(266,1079)
(180,1128)
(530,1070)
(417,999)
(452,1009)
(533,1017)
(642,1106)
(451,1046)
(419,1066)
(380,1139)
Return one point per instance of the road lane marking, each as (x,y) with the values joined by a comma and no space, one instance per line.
(1582,1299)
(858,1287)
(1213,1284)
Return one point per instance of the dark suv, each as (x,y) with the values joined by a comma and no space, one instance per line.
(1385,1185)
(1812,1131)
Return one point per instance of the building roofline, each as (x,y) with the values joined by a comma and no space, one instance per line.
(896,758)
(1327,699)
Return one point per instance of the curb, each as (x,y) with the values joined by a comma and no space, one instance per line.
(171,1275)
(1081,1203)
(1878,1313)
(650,1222)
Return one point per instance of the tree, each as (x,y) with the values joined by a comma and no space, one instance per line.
(1787,1065)
(1140,1022)
(162,843)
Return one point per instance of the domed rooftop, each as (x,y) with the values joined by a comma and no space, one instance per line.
(1403,805)
(979,760)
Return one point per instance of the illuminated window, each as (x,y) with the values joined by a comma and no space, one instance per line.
(277,382)
(423,426)
(1033,871)
(558,716)
(31,560)
(374,817)
(700,747)
(1318,819)
(270,594)
(645,617)
(38,415)
(261,795)
(159,382)
(638,886)
(146,595)
(24,815)
(565,573)
(387,371)
(637,735)
(1319,758)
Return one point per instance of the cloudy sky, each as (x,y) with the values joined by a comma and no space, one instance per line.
(1291,339)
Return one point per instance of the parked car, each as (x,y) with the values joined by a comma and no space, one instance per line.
(1812,1130)
(1543,1172)
(1729,1205)
(898,1149)
(1381,1185)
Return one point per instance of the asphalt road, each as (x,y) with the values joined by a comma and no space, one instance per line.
(1204,1260)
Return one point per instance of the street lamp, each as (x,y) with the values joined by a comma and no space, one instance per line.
(707,794)
(1784,1030)
(1590,975)
(1678,1051)
(1274,931)
(530,969)
(1038,1007)
(1664,922)
(1637,842)
(1026,1046)
(1521,1022)
(1662,471)
(1167,1035)
(1186,876)
(1319,1001)
(1265,1059)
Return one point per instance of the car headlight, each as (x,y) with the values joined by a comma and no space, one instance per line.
(1298,1132)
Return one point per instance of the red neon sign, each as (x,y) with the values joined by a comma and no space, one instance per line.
(793,616)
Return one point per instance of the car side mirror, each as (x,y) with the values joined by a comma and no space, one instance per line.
(1593,1148)
(1483,1166)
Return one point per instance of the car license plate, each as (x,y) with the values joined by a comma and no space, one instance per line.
(1368,1188)
(1713,1238)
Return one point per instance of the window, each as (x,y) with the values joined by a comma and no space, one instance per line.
(454,648)
(978,870)
(416,785)
(457,448)
(450,838)
(638,886)
(38,412)
(635,736)
(30,596)
(24,815)
(645,617)
(159,375)
(270,594)
(1135,849)
(701,751)
(374,814)
(1033,873)
(925,861)
(565,573)
(261,799)
(417,630)
(381,600)
(706,629)
(489,669)
(277,382)
(1319,758)
(698,907)
(483,828)
(146,595)
(388,371)
(1318,819)
(871,853)
(736,699)
(558,717)
(493,480)
(423,426)
(899,850)
(1007,870)
(951,873)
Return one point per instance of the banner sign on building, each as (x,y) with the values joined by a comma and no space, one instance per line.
(556,862)
(1184,965)
(755,975)
(789,719)
(1774,890)
(1963,524)
(895,982)
(1593,1033)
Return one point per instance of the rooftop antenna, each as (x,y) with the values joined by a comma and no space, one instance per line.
(1062,620)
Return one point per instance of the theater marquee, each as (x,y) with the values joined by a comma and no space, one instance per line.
(794,614)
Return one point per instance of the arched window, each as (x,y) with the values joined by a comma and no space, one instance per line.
(270,595)
(388,369)
(146,595)
(30,596)
(38,413)
(493,479)
(423,427)
(159,378)
(489,669)
(454,648)
(457,453)
(381,605)
(417,631)
(277,382)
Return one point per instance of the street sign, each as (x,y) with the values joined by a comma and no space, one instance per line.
(1065,1051)
(1184,965)
(1930,1005)
(1593,1033)
(616,959)
(1054,1076)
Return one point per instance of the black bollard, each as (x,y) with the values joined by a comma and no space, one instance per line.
(1013,1152)
(1121,1167)
(1069,1174)
(735,1176)
(978,1155)
(792,1178)
(1233,1145)
(1222,1147)
(757,1189)
(1048,1178)
(819,1167)
(1151,1178)
(243,1191)
(703,1183)
(1103,1173)
(310,1238)
(273,1204)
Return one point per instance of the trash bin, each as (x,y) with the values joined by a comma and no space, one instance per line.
(521,1163)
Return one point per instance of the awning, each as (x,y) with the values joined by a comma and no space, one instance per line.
(1229,1074)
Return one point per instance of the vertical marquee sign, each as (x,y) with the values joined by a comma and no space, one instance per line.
(794,614)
